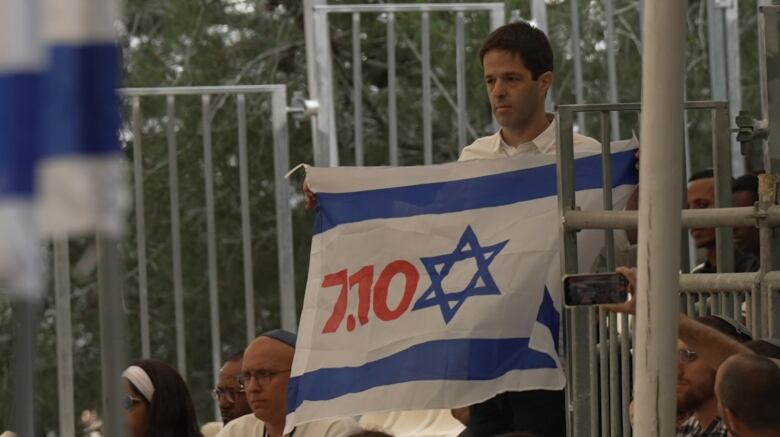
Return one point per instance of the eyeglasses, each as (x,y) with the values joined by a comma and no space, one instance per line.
(686,355)
(261,376)
(228,394)
(129,401)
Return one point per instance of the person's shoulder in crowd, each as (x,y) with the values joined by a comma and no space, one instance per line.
(335,427)
(247,425)
(251,426)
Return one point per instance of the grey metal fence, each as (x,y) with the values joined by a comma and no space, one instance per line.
(325,141)
(598,347)
(135,139)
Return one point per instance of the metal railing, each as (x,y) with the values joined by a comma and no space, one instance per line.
(321,80)
(598,346)
(284,233)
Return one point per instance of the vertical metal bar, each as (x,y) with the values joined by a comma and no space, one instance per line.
(609,12)
(211,241)
(606,183)
(577,340)
(178,287)
(663,55)
(246,222)
(357,88)
(703,303)
(594,334)
(767,186)
(717,50)
(614,379)
(327,142)
(25,321)
(284,233)
(721,163)
(427,106)
(724,65)
(687,245)
(460,77)
(539,16)
(769,68)
(65,397)
(689,307)
(112,333)
(625,372)
(755,310)
(312,35)
(734,79)
(497,19)
(392,113)
(611,425)
(140,228)
(604,372)
(579,94)
(497,16)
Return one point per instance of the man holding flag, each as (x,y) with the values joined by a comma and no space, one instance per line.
(518,67)
(476,241)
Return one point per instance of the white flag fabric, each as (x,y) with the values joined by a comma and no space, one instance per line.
(60,159)
(437,286)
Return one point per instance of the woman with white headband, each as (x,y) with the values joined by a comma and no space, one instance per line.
(157,402)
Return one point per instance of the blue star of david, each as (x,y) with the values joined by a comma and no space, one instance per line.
(438,267)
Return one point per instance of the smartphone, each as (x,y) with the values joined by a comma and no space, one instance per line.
(594,288)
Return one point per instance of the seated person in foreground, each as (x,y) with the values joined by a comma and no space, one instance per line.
(265,372)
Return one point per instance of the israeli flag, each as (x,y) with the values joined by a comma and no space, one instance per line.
(60,159)
(437,286)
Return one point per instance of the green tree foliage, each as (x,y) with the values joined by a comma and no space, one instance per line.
(227,42)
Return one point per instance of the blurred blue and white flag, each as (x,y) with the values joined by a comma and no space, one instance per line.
(438,286)
(60,161)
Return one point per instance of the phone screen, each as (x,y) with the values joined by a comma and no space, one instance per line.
(595,288)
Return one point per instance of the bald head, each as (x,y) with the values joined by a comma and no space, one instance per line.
(266,367)
(748,390)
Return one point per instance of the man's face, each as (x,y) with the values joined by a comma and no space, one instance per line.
(267,395)
(514,96)
(701,195)
(695,381)
(232,400)
(746,238)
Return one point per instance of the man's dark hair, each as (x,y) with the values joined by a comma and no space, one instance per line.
(702,174)
(750,388)
(171,412)
(749,183)
(523,39)
(767,347)
(727,326)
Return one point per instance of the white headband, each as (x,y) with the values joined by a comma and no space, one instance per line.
(140,380)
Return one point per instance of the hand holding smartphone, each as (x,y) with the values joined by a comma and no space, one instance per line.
(594,289)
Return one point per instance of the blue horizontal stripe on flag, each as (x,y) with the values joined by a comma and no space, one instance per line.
(81,106)
(18,133)
(334,209)
(454,360)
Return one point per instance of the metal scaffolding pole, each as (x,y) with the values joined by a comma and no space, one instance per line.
(663,55)
(112,333)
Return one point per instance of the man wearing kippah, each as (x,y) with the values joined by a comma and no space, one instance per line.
(265,372)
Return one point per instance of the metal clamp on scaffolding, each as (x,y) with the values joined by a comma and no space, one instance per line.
(301,107)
